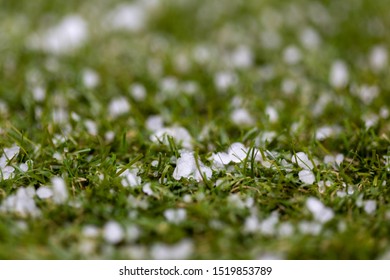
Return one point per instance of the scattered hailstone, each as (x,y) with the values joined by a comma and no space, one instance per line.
(310,38)
(225,80)
(235,201)
(60,192)
(67,36)
(241,116)
(130,178)
(44,192)
(272,114)
(367,93)
(118,107)
(131,17)
(39,94)
(292,55)
(113,232)
(91,127)
(267,226)
(285,229)
(378,58)
(306,176)
(186,167)
(21,203)
(302,160)
(251,224)
(288,86)
(312,228)
(323,185)
(90,231)
(133,232)
(339,76)
(321,213)
(109,136)
(179,251)
(147,189)
(154,123)
(237,152)
(242,57)
(178,133)
(370,206)
(90,78)
(23,167)
(325,132)
(138,92)
(334,160)
(175,216)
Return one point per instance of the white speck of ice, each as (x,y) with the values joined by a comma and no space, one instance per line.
(241,116)
(310,38)
(272,114)
(306,176)
(236,201)
(23,167)
(133,232)
(321,213)
(60,192)
(251,224)
(370,206)
(113,232)
(267,226)
(378,58)
(131,17)
(339,76)
(90,78)
(91,127)
(147,189)
(67,36)
(292,55)
(285,229)
(44,192)
(178,133)
(179,251)
(367,93)
(242,57)
(130,178)
(324,132)
(118,106)
(237,152)
(225,80)
(154,123)
(90,231)
(138,92)
(312,228)
(21,203)
(186,167)
(39,94)
(302,160)
(175,216)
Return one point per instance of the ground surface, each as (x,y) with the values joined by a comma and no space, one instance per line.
(194,129)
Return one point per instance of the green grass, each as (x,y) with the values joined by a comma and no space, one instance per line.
(219,208)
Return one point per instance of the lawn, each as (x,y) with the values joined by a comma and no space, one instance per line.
(194,129)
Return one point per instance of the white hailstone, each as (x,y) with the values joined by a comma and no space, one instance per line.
(137,203)
(241,116)
(12,152)
(23,167)
(190,87)
(179,251)
(21,203)
(187,198)
(186,167)
(60,116)
(302,160)
(324,132)
(118,106)
(237,152)
(267,226)
(311,228)
(169,85)
(39,94)
(235,201)
(367,93)
(378,58)
(154,123)
(334,160)
(44,192)
(201,54)
(7,173)
(178,133)
(57,156)
(272,114)
(60,192)
(242,57)
(130,178)
(339,76)
(90,78)
(341,194)
(91,127)
(225,80)
(175,216)
(285,229)
(109,136)
(370,120)
(131,17)
(133,232)
(384,112)
(251,224)
(220,159)
(113,232)
(321,213)
(370,206)
(288,86)
(147,189)
(75,117)
(138,92)
(310,38)
(90,231)
(67,36)
(322,185)
(292,55)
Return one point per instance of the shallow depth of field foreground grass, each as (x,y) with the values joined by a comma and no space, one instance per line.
(194,129)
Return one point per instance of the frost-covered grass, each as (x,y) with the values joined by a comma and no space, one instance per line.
(194,129)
